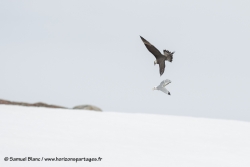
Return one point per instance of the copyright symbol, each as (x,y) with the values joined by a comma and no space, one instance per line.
(6,158)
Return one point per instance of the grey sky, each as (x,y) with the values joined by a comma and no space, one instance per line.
(89,52)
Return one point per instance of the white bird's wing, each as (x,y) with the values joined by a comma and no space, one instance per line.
(165,82)
(164,90)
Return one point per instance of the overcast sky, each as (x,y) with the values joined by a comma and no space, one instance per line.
(89,52)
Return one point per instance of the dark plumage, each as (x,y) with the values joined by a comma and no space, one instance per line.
(160,58)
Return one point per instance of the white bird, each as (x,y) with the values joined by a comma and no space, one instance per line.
(162,85)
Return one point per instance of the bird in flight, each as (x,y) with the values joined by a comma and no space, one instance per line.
(162,85)
(160,58)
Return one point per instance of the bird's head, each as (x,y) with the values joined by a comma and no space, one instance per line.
(154,88)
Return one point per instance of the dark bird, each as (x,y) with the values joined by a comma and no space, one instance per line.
(160,58)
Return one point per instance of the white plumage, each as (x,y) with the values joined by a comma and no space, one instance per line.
(162,85)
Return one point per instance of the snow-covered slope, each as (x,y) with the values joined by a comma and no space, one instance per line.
(119,139)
